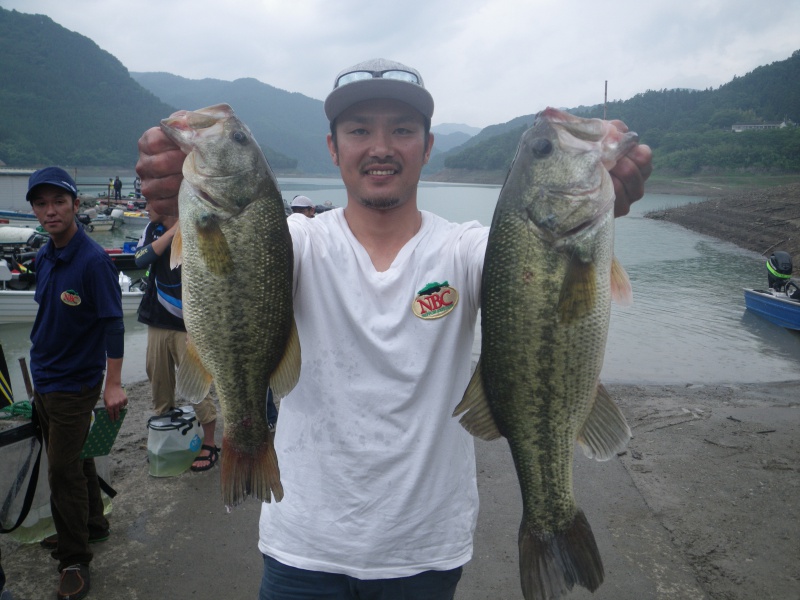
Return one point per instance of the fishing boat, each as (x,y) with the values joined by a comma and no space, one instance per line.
(17,218)
(774,306)
(135,218)
(123,258)
(19,245)
(90,220)
(18,306)
(780,302)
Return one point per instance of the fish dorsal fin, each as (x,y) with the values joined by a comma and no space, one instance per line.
(176,249)
(605,431)
(621,291)
(478,419)
(213,246)
(578,292)
(287,373)
(192,381)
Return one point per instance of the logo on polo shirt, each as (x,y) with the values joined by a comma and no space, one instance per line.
(70,298)
(435,300)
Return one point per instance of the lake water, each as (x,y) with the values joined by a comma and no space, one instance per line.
(687,324)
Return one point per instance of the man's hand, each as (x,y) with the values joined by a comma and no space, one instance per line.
(115,399)
(629,175)
(160,168)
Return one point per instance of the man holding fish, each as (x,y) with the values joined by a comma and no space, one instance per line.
(379,495)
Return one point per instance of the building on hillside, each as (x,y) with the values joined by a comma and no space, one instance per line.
(13,188)
(739,127)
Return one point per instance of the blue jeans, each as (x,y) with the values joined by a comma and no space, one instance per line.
(281,582)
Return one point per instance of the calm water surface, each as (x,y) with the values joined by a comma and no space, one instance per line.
(687,324)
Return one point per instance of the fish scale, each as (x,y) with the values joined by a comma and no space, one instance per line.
(547,284)
(237,265)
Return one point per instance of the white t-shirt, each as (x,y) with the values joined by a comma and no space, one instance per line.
(379,478)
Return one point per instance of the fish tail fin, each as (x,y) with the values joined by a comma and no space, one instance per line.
(551,564)
(621,291)
(249,472)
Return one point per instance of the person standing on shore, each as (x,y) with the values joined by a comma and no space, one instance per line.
(303,205)
(161,310)
(380,488)
(78,333)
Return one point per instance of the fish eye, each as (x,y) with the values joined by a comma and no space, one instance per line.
(541,147)
(239,136)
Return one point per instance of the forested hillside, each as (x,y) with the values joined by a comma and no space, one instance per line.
(285,124)
(689,130)
(64,100)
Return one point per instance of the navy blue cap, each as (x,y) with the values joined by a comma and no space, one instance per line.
(53,176)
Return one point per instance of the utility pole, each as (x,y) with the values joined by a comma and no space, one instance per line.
(605,100)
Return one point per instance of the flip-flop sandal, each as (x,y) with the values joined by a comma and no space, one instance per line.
(210,460)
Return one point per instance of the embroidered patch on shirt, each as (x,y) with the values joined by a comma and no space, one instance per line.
(435,300)
(70,298)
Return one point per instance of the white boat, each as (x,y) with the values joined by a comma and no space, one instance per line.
(19,236)
(18,306)
(135,218)
(16,218)
(93,221)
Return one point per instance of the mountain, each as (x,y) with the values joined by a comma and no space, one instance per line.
(448,128)
(64,100)
(289,124)
(689,130)
(446,141)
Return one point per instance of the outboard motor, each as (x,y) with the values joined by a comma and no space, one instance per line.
(792,289)
(779,270)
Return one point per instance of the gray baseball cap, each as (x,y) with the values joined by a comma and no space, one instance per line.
(378,78)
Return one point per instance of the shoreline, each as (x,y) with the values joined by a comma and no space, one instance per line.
(702,503)
(711,477)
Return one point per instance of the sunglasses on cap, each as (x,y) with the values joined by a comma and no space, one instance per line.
(390,74)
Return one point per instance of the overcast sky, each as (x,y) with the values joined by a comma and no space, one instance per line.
(484,61)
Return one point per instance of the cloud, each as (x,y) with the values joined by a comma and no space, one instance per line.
(484,61)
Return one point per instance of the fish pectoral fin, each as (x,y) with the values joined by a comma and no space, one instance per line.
(176,249)
(621,291)
(287,373)
(605,431)
(213,247)
(192,381)
(477,419)
(578,292)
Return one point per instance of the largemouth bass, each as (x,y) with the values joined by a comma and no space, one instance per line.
(236,253)
(549,275)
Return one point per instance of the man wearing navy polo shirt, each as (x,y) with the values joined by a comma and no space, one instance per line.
(78,334)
